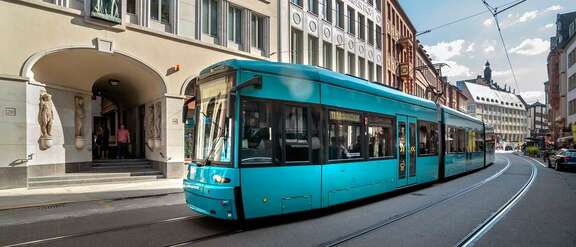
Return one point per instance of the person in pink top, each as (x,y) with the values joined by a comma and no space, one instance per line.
(123,139)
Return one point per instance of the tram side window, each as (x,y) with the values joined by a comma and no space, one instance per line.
(479,141)
(428,138)
(380,137)
(344,136)
(456,140)
(256,134)
(296,133)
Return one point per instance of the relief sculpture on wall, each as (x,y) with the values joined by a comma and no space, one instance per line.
(150,134)
(79,116)
(45,118)
(157,125)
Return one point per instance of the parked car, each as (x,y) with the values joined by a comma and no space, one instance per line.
(562,159)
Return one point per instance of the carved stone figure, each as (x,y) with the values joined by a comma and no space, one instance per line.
(46,115)
(79,115)
(150,122)
(157,119)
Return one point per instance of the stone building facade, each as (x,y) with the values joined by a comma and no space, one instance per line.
(71,66)
(498,107)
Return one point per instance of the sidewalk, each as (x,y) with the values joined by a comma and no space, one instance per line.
(24,198)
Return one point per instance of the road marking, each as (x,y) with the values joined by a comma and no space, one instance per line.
(537,161)
(482,229)
(41,241)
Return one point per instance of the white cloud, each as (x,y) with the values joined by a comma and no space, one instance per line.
(471,47)
(488,22)
(489,49)
(533,96)
(531,47)
(455,70)
(554,8)
(548,26)
(530,15)
(501,73)
(513,19)
(444,51)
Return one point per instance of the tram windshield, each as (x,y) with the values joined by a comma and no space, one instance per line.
(213,133)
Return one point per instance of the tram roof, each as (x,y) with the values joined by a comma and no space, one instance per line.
(322,75)
(460,114)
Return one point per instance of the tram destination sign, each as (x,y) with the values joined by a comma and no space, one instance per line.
(108,10)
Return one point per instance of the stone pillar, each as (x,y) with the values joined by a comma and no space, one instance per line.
(13,161)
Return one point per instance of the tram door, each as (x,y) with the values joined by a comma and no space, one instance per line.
(406,130)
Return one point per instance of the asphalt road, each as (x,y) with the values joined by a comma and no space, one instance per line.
(442,214)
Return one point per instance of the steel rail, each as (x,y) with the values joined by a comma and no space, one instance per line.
(483,228)
(398,217)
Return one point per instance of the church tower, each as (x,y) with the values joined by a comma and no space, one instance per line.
(487,73)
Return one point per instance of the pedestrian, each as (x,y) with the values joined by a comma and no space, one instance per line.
(105,143)
(122,139)
(98,141)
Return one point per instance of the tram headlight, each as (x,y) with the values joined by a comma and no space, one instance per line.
(221,180)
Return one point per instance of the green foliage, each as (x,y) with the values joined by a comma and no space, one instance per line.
(532,150)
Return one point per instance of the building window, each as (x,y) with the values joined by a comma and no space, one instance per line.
(361,27)
(340,14)
(297,2)
(313,6)
(572,58)
(361,67)
(340,60)
(344,136)
(351,63)
(327,10)
(210,9)
(327,55)
(379,73)
(427,138)
(258,31)
(381,137)
(235,25)
(379,5)
(378,37)
(131,6)
(296,45)
(370,32)
(160,10)
(572,82)
(351,21)
(312,50)
(370,71)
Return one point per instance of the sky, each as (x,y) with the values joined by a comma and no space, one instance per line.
(467,45)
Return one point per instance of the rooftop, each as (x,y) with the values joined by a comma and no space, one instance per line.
(486,95)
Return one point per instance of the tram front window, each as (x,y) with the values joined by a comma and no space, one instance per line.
(213,129)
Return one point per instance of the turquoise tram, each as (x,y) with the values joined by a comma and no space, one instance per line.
(274,138)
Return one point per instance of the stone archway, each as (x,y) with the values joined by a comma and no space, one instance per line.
(75,74)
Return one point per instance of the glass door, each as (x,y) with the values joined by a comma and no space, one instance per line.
(406,150)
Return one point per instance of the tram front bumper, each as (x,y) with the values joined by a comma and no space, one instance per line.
(211,200)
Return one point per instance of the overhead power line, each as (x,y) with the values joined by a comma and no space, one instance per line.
(504,6)
(495,12)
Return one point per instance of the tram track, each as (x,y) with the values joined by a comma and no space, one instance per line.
(485,226)
(398,217)
(101,231)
